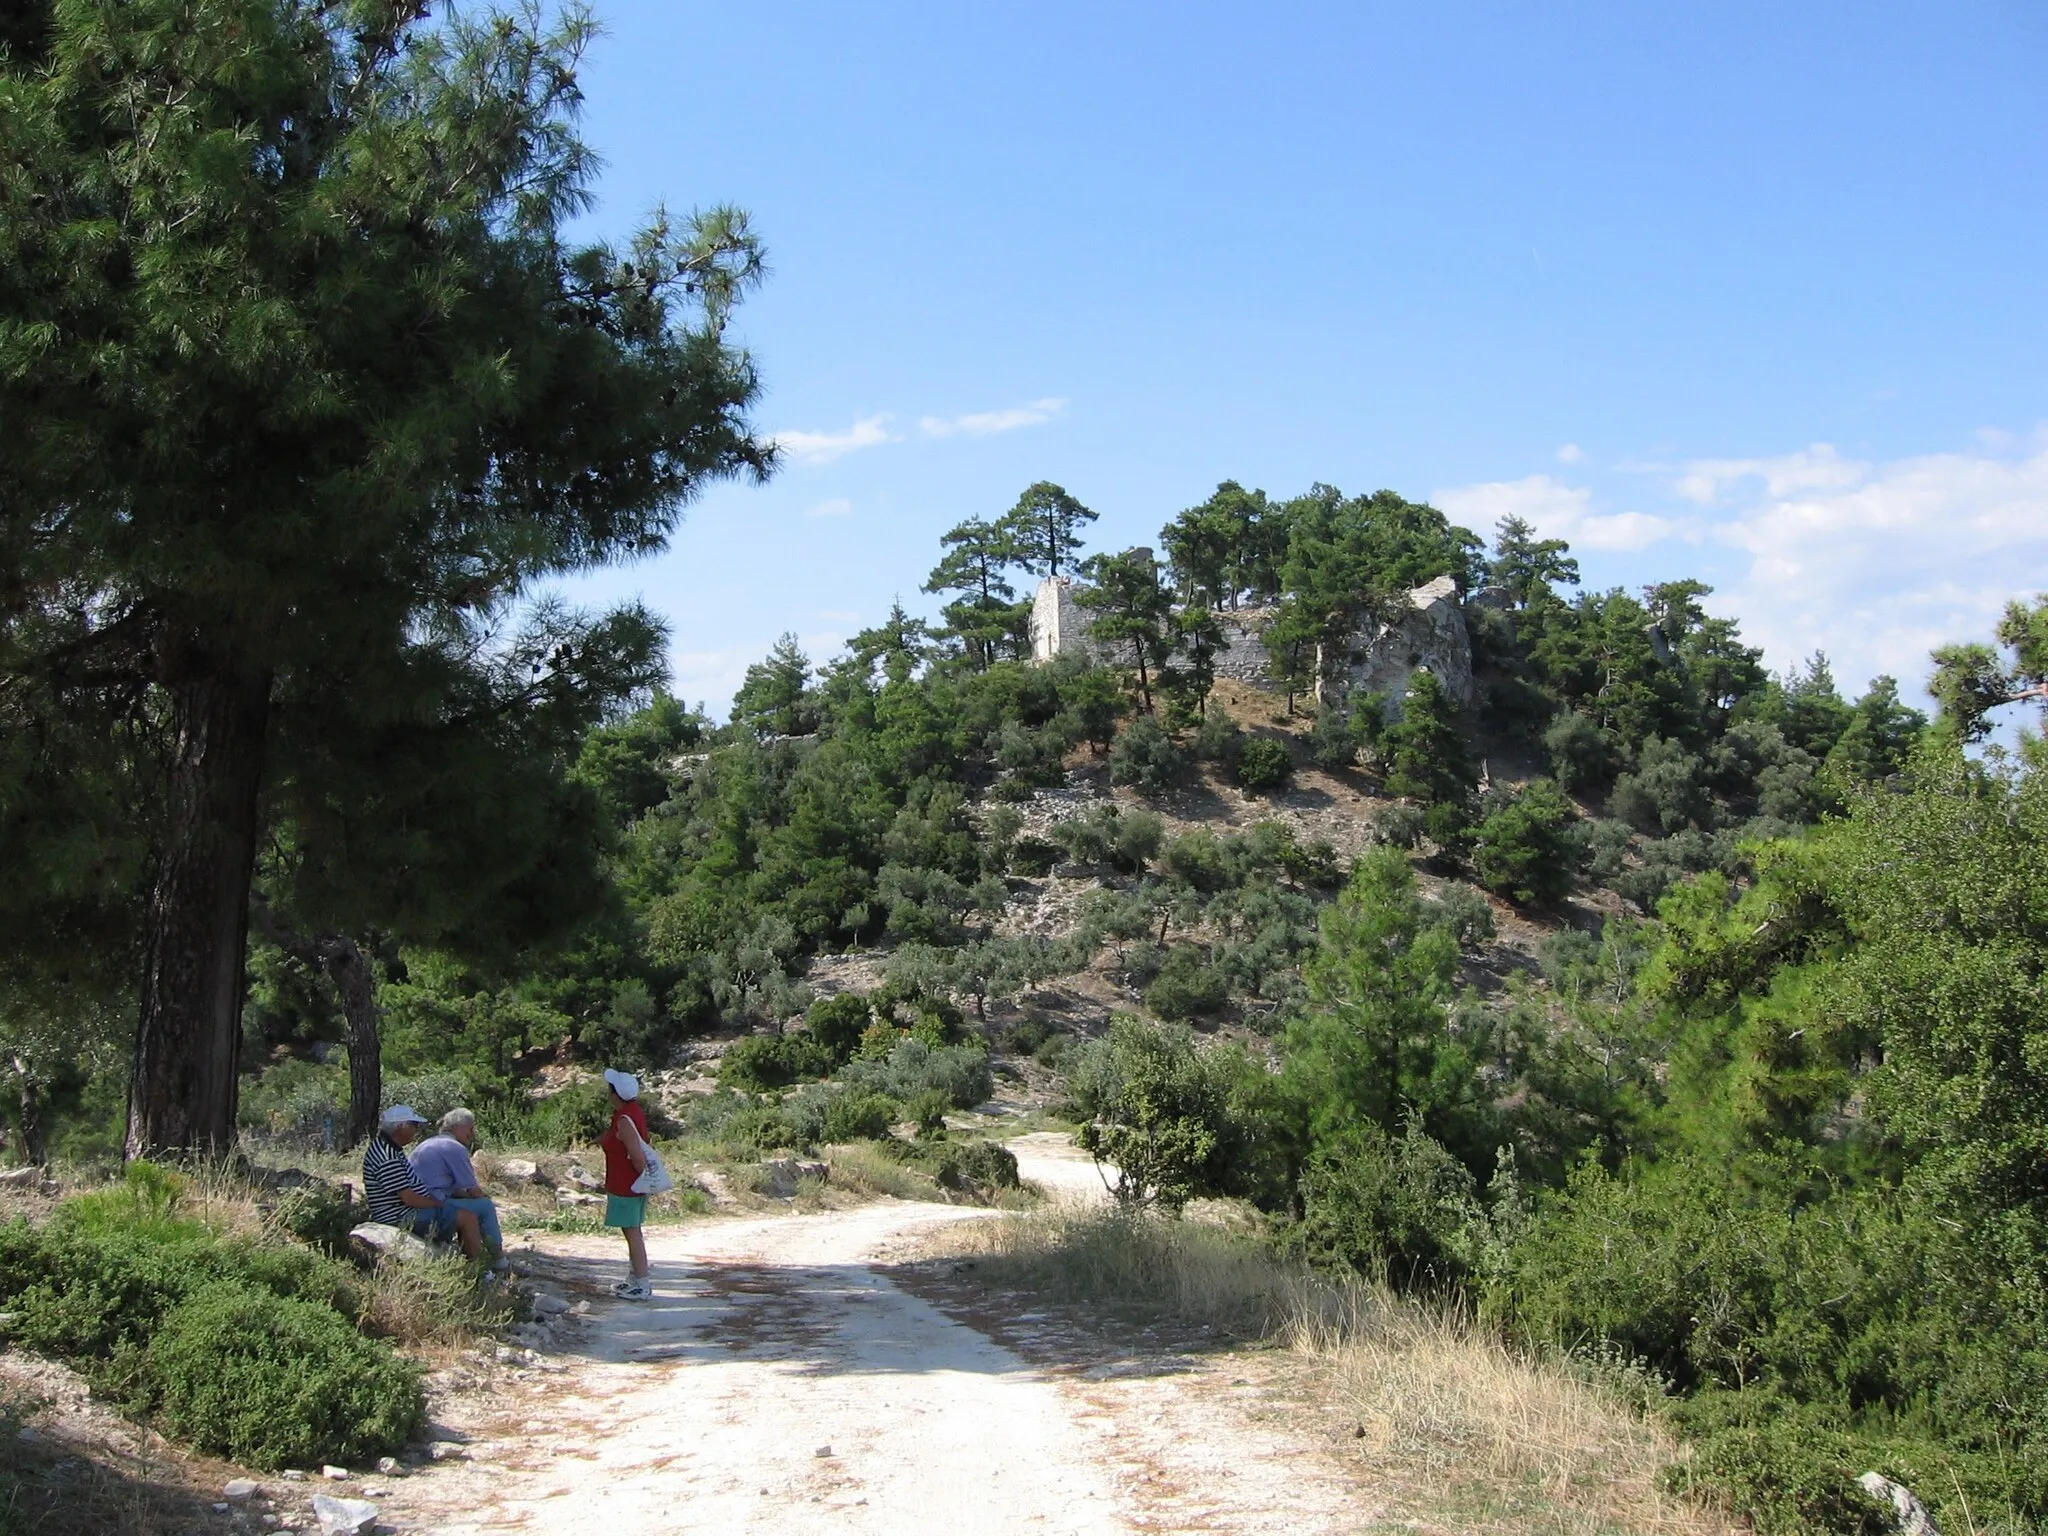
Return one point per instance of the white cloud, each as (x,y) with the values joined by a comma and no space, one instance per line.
(832,506)
(1570,453)
(824,447)
(1877,563)
(1555,510)
(988,423)
(707,677)
(1818,468)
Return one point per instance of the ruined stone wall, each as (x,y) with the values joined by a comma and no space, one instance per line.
(1243,656)
(1058,623)
(1431,636)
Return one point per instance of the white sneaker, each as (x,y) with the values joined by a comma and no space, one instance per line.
(633,1290)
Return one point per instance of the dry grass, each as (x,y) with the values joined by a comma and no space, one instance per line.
(1461,1429)
(863,1168)
(1447,1410)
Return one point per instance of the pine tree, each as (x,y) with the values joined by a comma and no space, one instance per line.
(775,696)
(1045,528)
(1425,756)
(987,614)
(1134,614)
(304,384)
(1524,566)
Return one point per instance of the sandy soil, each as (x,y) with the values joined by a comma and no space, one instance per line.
(780,1383)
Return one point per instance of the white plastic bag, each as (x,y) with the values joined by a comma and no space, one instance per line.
(654,1179)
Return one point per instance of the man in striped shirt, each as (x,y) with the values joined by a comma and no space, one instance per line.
(396,1195)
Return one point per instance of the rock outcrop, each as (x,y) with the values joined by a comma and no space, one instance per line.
(1430,637)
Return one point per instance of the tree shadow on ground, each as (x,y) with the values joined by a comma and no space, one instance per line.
(853,1319)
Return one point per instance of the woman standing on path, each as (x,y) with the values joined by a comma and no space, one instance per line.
(625,1159)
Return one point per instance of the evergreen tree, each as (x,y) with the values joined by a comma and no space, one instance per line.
(987,615)
(1193,640)
(1970,681)
(1134,614)
(313,402)
(1424,754)
(775,696)
(1524,566)
(1045,528)
(1229,547)
(1880,736)
(447,819)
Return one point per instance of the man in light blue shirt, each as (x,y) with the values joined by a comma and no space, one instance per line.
(441,1163)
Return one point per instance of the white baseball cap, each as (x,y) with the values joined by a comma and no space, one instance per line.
(402,1114)
(624,1084)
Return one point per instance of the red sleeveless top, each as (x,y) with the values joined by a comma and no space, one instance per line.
(619,1172)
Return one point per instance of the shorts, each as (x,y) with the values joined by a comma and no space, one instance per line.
(625,1210)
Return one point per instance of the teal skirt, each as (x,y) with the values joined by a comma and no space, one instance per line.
(625,1210)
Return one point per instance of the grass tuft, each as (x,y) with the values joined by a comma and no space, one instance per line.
(1454,1423)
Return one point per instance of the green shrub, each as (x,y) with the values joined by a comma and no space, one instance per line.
(1528,850)
(858,1117)
(761,1062)
(1582,755)
(928,1110)
(1027,1035)
(1031,757)
(1400,1206)
(1178,1121)
(1145,758)
(1187,985)
(574,1116)
(1462,910)
(272,1381)
(1665,793)
(1010,790)
(1263,765)
(1790,1477)
(837,1024)
(973,1165)
(321,1216)
(1334,740)
(1218,739)
(938,1028)
(1398,826)
(1033,856)
(961,1072)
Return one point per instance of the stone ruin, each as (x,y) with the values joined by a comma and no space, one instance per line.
(1430,636)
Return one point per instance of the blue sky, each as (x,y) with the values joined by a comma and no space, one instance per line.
(1757,293)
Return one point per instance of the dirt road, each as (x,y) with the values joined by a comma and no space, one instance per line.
(780,1384)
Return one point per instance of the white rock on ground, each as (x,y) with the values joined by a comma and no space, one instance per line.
(239,1491)
(1909,1515)
(343,1517)
(379,1240)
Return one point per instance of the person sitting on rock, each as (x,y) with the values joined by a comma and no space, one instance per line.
(442,1165)
(396,1195)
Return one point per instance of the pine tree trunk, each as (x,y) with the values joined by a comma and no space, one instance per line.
(31,1103)
(188,1044)
(343,962)
(358,987)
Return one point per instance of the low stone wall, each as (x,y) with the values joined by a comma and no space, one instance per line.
(1243,657)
